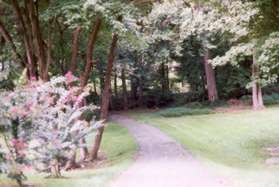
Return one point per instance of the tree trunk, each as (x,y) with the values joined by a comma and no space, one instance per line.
(89,53)
(115,84)
(100,75)
(71,163)
(26,38)
(55,169)
(75,49)
(140,99)
(49,49)
(210,79)
(260,97)
(124,88)
(95,86)
(134,88)
(167,77)
(105,97)
(28,43)
(83,151)
(62,61)
(257,96)
(38,41)
(7,37)
(163,79)
(141,82)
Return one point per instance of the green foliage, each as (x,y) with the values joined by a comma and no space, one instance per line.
(191,58)
(183,111)
(232,81)
(194,105)
(271,99)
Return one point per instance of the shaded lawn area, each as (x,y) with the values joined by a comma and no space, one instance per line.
(119,148)
(231,143)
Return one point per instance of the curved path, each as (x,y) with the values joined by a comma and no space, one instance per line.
(161,161)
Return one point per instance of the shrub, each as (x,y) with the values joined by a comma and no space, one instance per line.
(195,105)
(271,99)
(43,124)
(183,111)
(218,103)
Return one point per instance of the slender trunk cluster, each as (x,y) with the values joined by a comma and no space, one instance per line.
(38,40)
(257,96)
(210,79)
(29,29)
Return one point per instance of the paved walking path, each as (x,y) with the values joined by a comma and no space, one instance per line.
(161,161)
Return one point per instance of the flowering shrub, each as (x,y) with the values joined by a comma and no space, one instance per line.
(43,123)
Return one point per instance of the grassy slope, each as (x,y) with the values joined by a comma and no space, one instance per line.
(118,146)
(232,144)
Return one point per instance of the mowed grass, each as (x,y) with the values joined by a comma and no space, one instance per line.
(233,144)
(119,148)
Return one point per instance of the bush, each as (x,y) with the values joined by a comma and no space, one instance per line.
(271,99)
(195,105)
(43,125)
(154,98)
(217,103)
(183,111)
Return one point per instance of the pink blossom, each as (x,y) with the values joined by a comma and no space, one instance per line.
(11,95)
(69,77)
(29,105)
(80,101)
(33,78)
(18,112)
(18,144)
(14,109)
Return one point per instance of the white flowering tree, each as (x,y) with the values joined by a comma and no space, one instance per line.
(250,43)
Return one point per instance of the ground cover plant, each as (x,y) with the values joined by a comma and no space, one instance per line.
(184,111)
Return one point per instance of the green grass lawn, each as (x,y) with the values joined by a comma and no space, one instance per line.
(231,143)
(119,148)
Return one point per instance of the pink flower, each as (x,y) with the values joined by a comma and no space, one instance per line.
(18,144)
(80,101)
(29,105)
(11,95)
(18,112)
(70,77)
(14,110)
(13,141)
(33,78)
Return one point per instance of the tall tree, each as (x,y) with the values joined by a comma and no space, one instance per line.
(105,96)
(89,52)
